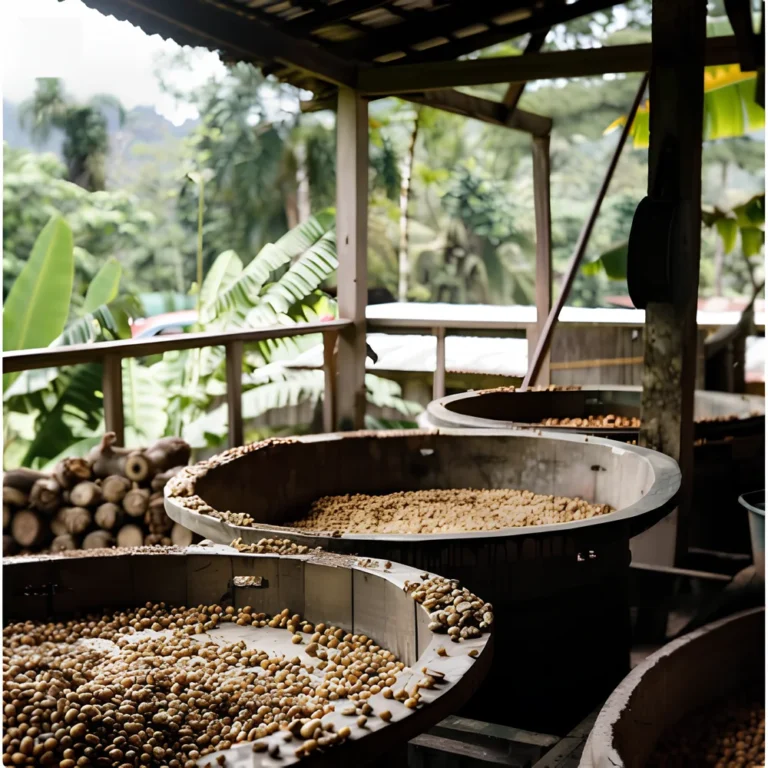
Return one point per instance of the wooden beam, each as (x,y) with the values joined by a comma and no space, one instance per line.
(484,110)
(458,103)
(234,377)
(445,22)
(232,29)
(674,176)
(351,238)
(112,390)
(543,215)
(334,14)
(515,90)
(587,62)
(545,337)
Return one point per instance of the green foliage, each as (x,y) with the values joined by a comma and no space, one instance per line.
(37,306)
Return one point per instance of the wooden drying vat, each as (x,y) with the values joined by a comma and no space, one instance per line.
(684,675)
(729,455)
(559,591)
(323,588)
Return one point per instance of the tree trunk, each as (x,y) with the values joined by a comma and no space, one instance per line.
(405,196)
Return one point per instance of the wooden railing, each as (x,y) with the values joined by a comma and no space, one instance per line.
(111,354)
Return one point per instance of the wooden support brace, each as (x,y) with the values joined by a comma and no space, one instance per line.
(543,214)
(234,373)
(112,389)
(351,238)
(329,393)
(438,382)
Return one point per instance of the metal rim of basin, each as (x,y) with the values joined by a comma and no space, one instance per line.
(660,498)
(462,673)
(439,414)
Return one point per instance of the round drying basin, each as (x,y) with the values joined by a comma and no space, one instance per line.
(323,587)
(560,591)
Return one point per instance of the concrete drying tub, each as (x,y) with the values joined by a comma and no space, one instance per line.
(729,454)
(322,588)
(685,675)
(559,591)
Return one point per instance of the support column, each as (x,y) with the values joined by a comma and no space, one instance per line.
(352,244)
(674,175)
(543,215)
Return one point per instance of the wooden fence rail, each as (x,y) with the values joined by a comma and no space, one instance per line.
(111,354)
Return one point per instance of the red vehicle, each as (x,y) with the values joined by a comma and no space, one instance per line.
(168,324)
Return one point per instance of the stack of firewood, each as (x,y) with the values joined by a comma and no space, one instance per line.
(113,496)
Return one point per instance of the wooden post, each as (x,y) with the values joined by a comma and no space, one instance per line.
(112,389)
(329,393)
(352,243)
(438,381)
(234,373)
(674,167)
(543,214)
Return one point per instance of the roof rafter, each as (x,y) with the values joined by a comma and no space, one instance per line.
(402,78)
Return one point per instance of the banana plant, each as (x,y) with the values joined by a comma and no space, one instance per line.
(65,404)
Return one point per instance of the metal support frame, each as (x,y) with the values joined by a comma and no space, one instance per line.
(669,372)
(351,238)
(545,337)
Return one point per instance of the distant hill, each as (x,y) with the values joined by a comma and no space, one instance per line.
(143,138)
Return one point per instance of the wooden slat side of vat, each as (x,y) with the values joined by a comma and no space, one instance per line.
(322,588)
(683,676)
(276,484)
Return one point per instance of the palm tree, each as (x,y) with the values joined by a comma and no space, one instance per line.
(86,139)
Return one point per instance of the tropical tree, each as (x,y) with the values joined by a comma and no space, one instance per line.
(86,139)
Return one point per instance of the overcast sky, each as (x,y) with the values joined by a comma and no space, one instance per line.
(90,52)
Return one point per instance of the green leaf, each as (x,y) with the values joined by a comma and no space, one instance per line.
(37,306)
(223,272)
(752,240)
(104,286)
(728,230)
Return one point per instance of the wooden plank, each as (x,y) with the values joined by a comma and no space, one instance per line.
(112,389)
(669,371)
(586,62)
(232,28)
(332,14)
(484,110)
(545,337)
(234,379)
(543,215)
(351,238)
(444,22)
(329,392)
(438,382)
(51,357)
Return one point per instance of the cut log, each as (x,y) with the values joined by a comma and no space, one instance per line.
(107,458)
(130,536)
(156,518)
(7,513)
(159,480)
(9,545)
(98,540)
(181,536)
(45,495)
(28,528)
(63,542)
(168,452)
(138,467)
(114,488)
(13,497)
(136,502)
(73,520)
(109,516)
(85,494)
(70,472)
(157,540)
(22,478)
